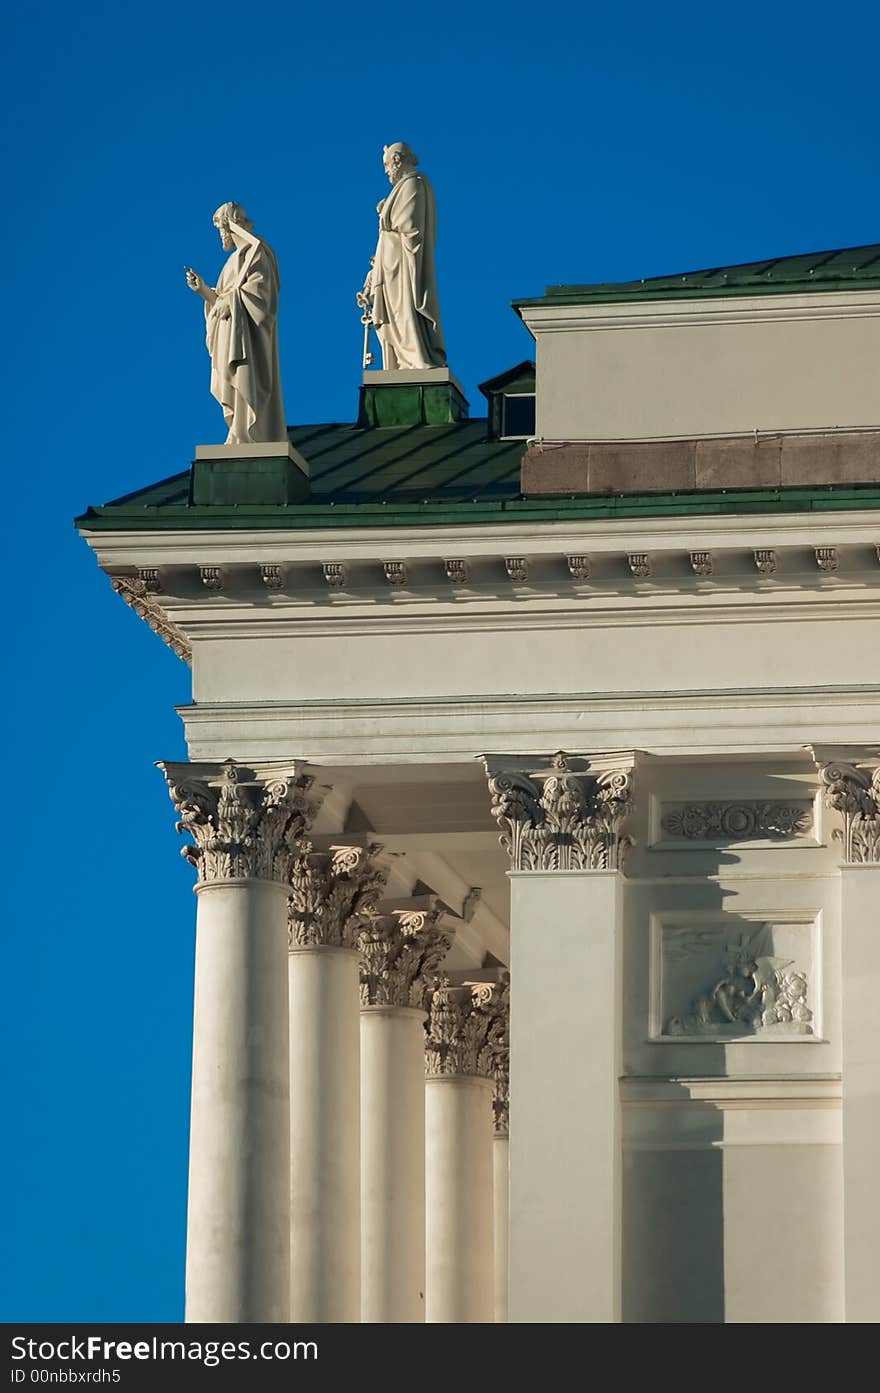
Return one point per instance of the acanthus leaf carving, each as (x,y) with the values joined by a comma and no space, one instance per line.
(562,821)
(855,793)
(467,1029)
(501,1062)
(400,954)
(243,826)
(331,894)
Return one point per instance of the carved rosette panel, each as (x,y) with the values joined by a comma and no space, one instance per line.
(400,954)
(242,826)
(466,1029)
(563,821)
(703,822)
(855,793)
(331,894)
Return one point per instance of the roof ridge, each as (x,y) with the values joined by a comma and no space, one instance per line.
(857,267)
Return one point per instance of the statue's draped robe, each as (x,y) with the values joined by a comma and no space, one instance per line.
(245,375)
(405,306)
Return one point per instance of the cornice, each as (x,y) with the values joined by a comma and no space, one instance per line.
(512,536)
(708,311)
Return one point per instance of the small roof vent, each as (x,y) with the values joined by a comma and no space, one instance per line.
(511,398)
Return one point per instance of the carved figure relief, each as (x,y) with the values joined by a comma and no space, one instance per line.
(750,989)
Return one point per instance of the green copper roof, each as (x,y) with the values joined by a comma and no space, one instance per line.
(354,466)
(432,475)
(850,268)
(163,506)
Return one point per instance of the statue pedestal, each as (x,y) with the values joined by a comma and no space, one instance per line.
(270,472)
(411,397)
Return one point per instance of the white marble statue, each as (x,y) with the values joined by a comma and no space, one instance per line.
(400,292)
(241,316)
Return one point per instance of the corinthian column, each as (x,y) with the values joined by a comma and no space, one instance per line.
(246,825)
(465,1030)
(399,951)
(330,892)
(852,788)
(501,1164)
(562,826)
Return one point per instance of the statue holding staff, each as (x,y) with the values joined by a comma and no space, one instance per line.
(241,319)
(400,292)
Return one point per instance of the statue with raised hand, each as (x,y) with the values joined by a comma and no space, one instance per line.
(241,319)
(400,291)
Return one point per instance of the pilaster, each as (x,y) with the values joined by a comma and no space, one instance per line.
(563,824)
(851,780)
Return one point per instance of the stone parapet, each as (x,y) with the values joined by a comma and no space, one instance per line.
(674,466)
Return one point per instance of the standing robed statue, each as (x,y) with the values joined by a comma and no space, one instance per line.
(399,297)
(241,320)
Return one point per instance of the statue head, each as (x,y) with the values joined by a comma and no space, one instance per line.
(226,213)
(398,160)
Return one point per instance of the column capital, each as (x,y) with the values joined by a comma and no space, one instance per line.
(400,954)
(246,822)
(501,1067)
(562,814)
(331,892)
(466,1030)
(851,782)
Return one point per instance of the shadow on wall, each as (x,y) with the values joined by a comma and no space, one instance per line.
(673,1225)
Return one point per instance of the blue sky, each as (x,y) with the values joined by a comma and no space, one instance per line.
(566,142)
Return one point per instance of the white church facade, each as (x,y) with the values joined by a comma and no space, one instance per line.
(534,802)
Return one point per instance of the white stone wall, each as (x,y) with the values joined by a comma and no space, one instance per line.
(708,367)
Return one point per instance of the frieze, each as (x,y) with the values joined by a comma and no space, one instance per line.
(740,820)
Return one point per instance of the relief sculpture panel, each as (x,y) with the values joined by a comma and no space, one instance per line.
(722,983)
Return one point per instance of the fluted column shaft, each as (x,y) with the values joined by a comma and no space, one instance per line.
(245,828)
(398,952)
(329,893)
(458,1162)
